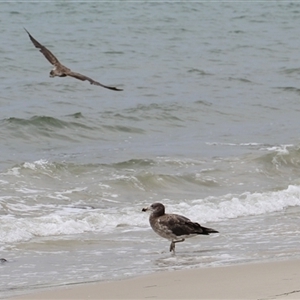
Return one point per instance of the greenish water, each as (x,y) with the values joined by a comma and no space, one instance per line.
(207,124)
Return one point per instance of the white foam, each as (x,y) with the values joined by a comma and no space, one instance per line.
(282,149)
(27,191)
(42,163)
(246,204)
(65,220)
(253,144)
(15,171)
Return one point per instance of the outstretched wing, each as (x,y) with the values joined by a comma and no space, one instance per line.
(83,78)
(48,54)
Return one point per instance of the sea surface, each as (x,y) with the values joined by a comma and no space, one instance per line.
(208,124)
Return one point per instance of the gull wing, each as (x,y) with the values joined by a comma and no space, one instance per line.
(47,53)
(181,225)
(83,78)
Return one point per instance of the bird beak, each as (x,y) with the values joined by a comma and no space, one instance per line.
(145,209)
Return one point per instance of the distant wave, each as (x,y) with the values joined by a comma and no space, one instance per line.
(45,122)
(289,89)
(46,126)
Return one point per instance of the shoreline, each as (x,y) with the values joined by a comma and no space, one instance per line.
(263,281)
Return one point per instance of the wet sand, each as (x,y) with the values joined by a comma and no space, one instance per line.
(263,281)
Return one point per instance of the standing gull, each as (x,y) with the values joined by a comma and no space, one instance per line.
(175,228)
(62,71)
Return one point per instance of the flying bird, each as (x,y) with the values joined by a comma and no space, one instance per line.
(173,227)
(62,71)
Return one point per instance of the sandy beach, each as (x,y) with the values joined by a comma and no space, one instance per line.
(263,281)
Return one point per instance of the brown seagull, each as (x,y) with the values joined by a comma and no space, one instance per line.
(175,228)
(62,71)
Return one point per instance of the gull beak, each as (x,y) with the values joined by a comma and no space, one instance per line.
(145,209)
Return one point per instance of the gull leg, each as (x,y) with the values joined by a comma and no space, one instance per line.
(172,246)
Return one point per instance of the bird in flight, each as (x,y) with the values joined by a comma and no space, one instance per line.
(62,71)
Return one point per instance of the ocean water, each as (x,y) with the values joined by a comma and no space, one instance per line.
(208,124)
